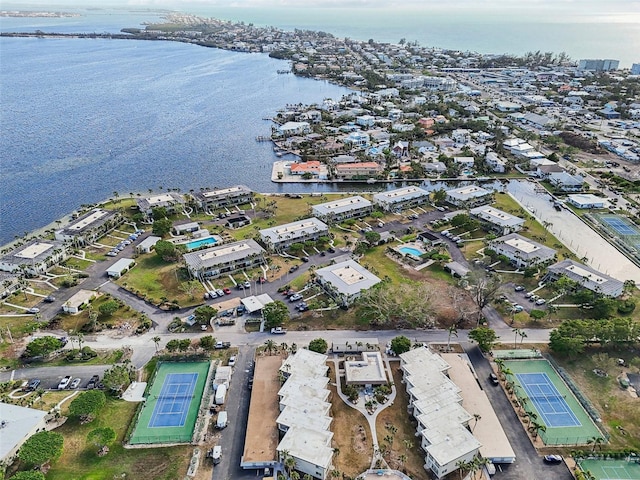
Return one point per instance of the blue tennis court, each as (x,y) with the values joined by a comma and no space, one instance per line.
(173,402)
(549,403)
(621,225)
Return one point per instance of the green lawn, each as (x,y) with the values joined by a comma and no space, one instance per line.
(77,263)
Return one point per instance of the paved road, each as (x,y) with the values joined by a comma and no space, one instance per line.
(528,464)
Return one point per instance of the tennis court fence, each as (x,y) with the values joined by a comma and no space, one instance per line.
(552,439)
(150,439)
(584,401)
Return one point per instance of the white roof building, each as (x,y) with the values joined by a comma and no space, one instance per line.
(147,244)
(521,251)
(169,201)
(34,257)
(276,238)
(435,403)
(497,220)
(216,261)
(223,197)
(367,371)
(77,300)
(587,277)
(338,210)
(120,267)
(345,281)
(587,200)
(17,424)
(401,198)
(90,226)
(469,196)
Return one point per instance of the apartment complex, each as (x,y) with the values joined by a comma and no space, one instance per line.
(345,281)
(223,197)
(280,237)
(496,220)
(33,258)
(401,198)
(89,227)
(339,210)
(521,251)
(216,261)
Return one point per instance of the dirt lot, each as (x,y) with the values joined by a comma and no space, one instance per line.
(262,433)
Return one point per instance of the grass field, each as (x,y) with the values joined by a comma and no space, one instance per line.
(143,434)
(578,435)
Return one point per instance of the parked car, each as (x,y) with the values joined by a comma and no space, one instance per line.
(33,310)
(93,381)
(493,378)
(302,307)
(232,360)
(50,299)
(246,284)
(528,294)
(305,259)
(553,459)
(278,331)
(64,383)
(293,268)
(541,301)
(220,292)
(295,297)
(226,291)
(75,383)
(32,385)
(517,308)
(331,250)
(519,288)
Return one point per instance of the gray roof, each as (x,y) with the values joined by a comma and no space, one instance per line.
(88,221)
(161,200)
(565,178)
(495,216)
(343,205)
(522,247)
(291,231)
(222,193)
(468,192)
(33,252)
(588,277)
(231,252)
(18,423)
(400,195)
(148,242)
(348,277)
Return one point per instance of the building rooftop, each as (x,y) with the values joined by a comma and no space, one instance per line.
(293,230)
(33,252)
(297,384)
(348,277)
(310,445)
(341,206)
(468,192)
(16,422)
(522,247)
(223,254)
(368,370)
(586,198)
(588,277)
(223,192)
(495,216)
(400,195)
(80,297)
(305,362)
(87,220)
(292,415)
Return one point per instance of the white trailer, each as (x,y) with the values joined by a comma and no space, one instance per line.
(221,394)
(221,422)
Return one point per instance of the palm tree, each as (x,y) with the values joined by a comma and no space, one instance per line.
(462,465)
(453,331)
(596,442)
(294,475)
(516,332)
(476,417)
(284,346)
(523,335)
(270,346)
(156,340)
(536,428)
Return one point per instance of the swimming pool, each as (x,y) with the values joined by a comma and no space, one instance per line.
(411,251)
(192,245)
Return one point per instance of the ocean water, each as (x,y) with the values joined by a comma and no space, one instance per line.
(83,118)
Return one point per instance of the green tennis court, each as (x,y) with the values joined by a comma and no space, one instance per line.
(171,407)
(565,419)
(611,469)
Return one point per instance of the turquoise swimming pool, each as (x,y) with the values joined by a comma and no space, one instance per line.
(411,251)
(192,245)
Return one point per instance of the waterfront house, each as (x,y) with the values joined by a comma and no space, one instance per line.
(496,220)
(34,257)
(312,167)
(280,237)
(89,227)
(401,149)
(223,197)
(358,171)
(345,281)
(401,198)
(289,129)
(469,196)
(522,252)
(225,259)
(357,139)
(171,201)
(496,163)
(586,277)
(342,209)
(435,168)
(547,168)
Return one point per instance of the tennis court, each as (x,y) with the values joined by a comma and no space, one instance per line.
(553,408)
(550,399)
(171,408)
(621,227)
(611,469)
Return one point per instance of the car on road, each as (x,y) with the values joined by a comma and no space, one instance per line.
(93,381)
(33,310)
(305,259)
(295,297)
(246,284)
(293,268)
(64,383)
(331,250)
(75,383)
(519,288)
(232,360)
(226,291)
(493,378)
(553,459)
(49,299)
(278,331)
(220,293)
(517,308)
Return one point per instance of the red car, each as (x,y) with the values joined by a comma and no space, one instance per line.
(262,280)
(227,291)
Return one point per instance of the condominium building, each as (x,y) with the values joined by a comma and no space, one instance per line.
(223,197)
(33,258)
(469,196)
(339,210)
(216,261)
(280,237)
(89,227)
(170,201)
(521,251)
(345,281)
(586,277)
(401,198)
(496,220)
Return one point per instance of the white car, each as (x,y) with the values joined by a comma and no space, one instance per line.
(75,384)
(541,301)
(64,383)
(232,360)
(295,297)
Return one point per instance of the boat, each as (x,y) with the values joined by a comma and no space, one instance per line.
(371,180)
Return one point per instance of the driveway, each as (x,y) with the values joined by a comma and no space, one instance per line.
(51,376)
(528,464)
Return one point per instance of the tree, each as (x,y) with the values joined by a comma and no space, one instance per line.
(172,345)
(101,437)
(108,308)
(204,314)
(270,346)
(483,288)
(167,251)
(41,448)
(42,346)
(400,345)
(161,227)
(87,404)
(372,238)
(275,314)
(516,332)
(28,475)
(452,331)
(439,196)
(156,341)
(595,442)
(207,343)
(485,337)
(398,305)
(118,377)
(318,345)
(537,314)
(565,345)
